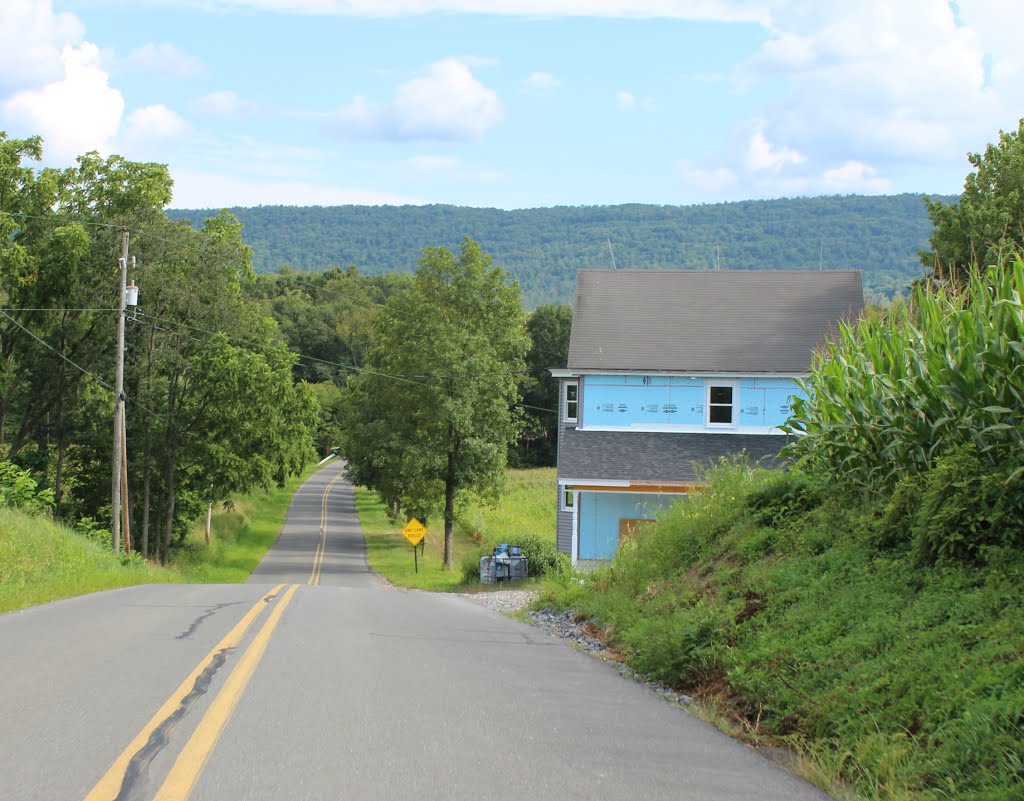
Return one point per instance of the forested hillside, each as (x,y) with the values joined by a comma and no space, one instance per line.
(543,248)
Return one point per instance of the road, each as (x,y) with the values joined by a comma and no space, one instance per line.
(316,682)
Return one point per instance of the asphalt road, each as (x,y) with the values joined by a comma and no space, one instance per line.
(317,682)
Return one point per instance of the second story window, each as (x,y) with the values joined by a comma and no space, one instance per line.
(720,404)
(571,406)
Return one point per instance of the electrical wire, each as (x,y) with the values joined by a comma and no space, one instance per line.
(77,366)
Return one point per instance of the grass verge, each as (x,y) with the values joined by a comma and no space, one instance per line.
(525,511)
(42,561)
(391,555)
(241,534)
(772,602)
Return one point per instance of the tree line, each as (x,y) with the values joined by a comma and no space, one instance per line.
(542,248)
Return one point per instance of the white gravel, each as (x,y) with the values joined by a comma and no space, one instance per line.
(503,600)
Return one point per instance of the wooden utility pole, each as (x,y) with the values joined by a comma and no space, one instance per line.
(125,521)
(115,484)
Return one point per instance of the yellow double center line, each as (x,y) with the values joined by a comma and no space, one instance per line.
(321,547)
(192,759)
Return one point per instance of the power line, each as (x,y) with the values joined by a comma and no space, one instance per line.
(46,344)
(67,217)
(75,364)
(59,310)
(302,356)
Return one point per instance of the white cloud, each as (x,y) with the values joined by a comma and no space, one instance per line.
(627,101)
(155,123)
(763,155)
(75,114)
(224,104)
(447,104)
(32,38)
(712,181)
(428,167)
(853,177)
(164,60)
(865,95)
(882,83)
(199,189)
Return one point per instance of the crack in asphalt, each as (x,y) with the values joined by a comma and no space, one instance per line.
(161,734)
(210,610)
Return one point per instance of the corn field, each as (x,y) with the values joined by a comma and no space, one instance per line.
(895,391)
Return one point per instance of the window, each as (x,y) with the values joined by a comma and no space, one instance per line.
(720,404)
(568,499)
(572,402)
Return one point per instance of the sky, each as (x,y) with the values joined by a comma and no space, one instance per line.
(517,103)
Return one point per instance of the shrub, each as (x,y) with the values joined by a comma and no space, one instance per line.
(783,497)
(93,530)
(18,490)
(967,504)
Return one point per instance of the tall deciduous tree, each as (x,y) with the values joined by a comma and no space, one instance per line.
(989,217)
(213,405)
(429,421)
(548,327)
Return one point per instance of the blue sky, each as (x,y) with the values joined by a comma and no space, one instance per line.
(517,103)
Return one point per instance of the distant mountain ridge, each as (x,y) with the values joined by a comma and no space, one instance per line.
(542,248)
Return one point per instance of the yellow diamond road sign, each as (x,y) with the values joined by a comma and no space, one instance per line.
(414,531)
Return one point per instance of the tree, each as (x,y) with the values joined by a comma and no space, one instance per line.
(428,422)
(548,327)
(988,219)
(213,405)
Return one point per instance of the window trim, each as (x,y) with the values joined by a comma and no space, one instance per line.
(564,495)
(734,386)
(566,417)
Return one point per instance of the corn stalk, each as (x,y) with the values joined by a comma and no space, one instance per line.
(895,391)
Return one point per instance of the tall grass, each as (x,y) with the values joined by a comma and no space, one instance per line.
(773,606)
(43,561)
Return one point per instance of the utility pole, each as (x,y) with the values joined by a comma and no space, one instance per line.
(115,484)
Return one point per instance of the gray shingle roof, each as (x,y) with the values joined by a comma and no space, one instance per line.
(656,456)
(722,321)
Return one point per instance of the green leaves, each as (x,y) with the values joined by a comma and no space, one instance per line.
(988,221)
(895,396)
(428,422)
(18,490)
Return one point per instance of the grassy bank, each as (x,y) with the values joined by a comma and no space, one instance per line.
(526,511)
(43,561)
(775,606)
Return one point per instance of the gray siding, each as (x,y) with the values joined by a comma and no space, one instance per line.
(563,535)
(563,427)
(655,456)
(563,541)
